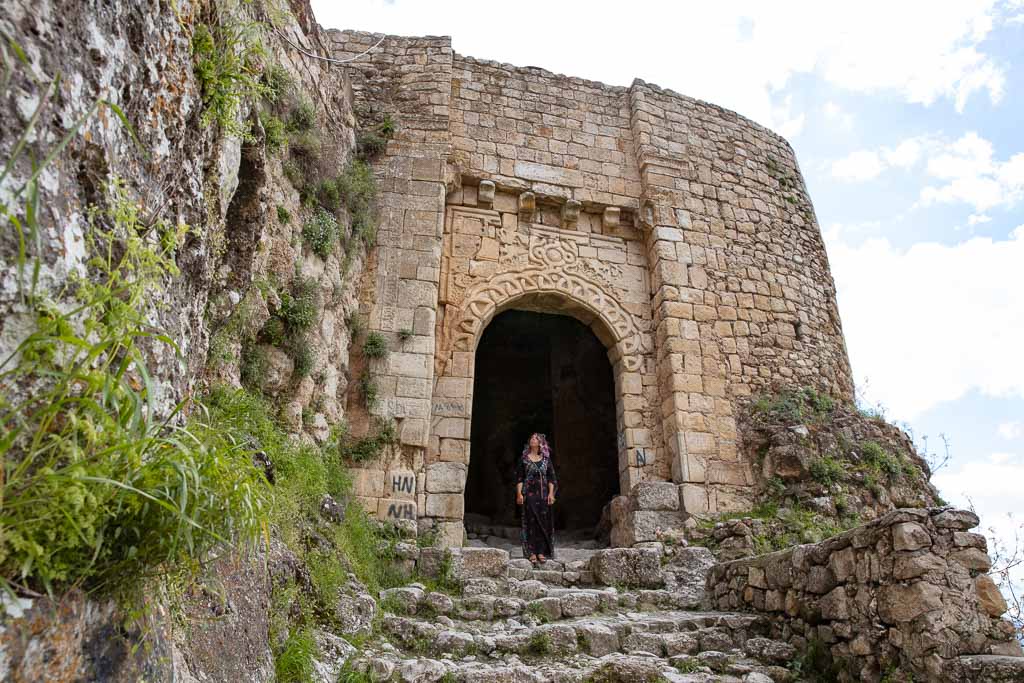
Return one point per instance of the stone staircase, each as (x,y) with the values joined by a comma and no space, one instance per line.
(608,615)
(596,615)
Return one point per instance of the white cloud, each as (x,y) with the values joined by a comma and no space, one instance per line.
(932,322)
(867,164)
(737,53)
(838,116)
(964,170)
(978,219)
(1011,430)
(784,121)
(969,174)
(858,166)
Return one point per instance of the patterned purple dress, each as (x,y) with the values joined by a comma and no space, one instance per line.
(538,527)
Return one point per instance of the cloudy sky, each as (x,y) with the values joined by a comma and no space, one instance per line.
(908,122)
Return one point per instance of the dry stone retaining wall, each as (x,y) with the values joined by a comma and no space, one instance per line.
(908,590)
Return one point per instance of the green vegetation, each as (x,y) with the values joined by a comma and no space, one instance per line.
(294,662)
(375,345)
(404,334)
(369,389)
(283,216)
(278,83)
(826,470)
(881,461)
(350,675)
(98,490)
(302,118)
(372,141)
(226,57)
(539,644)
(320,231)
(792,407)
(302,357)
(355,324)
(368,447)
(275,137)
(537,612)
(299,307)
(359,189)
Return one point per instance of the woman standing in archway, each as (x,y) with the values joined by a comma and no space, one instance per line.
(535,491)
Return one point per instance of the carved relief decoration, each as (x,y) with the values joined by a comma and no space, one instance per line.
(529,261)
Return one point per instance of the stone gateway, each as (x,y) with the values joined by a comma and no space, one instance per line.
(680,233)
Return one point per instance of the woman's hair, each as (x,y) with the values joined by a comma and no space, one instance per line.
(544,449)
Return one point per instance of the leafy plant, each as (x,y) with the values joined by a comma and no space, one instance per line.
(880,460)
(369,389)
(320,232)
(294,662)
(226,61)
(283,216)
(274,135)
(302,118)
(369,447)
(299,307)
(539,643)
(99,488)
(404,334)
(359,189)
(826,470)
(302,357)
(375,345)
(278,83)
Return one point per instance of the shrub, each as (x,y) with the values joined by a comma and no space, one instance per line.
(273,331)
(283,216)
(226,64)
(369,447)
(293,172)
(302,118)
(277,83)
(299,307)
(99,489)
(790,407)
(369,144)
(368,388)
(274,136)
(880,460)
(404,334)
(826,470)
(539,643)
(328,194)
(359,189)
(319,232)
(252,365)
(375,345)
(302,356)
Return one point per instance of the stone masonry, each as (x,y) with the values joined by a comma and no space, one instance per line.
(680,232)
(908,591)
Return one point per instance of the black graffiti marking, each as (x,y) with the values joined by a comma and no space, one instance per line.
(401,511)
(641,457)
(403,484)
(456,408)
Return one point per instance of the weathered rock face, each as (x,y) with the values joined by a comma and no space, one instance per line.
(905,591)
(243,249)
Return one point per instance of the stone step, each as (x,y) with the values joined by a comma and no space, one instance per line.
(488,599)
(992,668)
(722,667)
(660,633)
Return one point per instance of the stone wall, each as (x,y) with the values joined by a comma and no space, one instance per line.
(681,232)
(907,591)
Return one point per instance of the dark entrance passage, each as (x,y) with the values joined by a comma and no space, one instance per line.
(537,372)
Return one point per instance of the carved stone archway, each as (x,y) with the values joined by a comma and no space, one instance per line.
(543,290)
